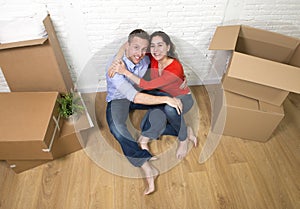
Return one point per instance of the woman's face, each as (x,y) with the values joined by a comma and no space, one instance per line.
(158,48)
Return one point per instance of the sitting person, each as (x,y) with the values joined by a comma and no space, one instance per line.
(166,75)
(122,97)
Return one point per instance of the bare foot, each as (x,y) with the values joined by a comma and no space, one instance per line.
(182,149)
(192,136)
(151,174)
(153,158)
(143,142)
(183,145)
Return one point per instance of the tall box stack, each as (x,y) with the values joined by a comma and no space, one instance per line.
(31,130)
(264,67)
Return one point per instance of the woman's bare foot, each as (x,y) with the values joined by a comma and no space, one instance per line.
(151,174)
(183,145)
(182,149)
(192,136)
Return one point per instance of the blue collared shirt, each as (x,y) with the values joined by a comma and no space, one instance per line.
(120,87)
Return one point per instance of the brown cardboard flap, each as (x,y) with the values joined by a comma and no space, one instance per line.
(254,90)
(225,38)
(295,60)
(265,50)
(58,52)
(265,72)
(271,108)
(23,43)
(268,37)
(237,100)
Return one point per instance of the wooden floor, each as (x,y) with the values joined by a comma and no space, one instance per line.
(240,174)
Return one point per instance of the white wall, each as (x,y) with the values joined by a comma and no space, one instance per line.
(90,31)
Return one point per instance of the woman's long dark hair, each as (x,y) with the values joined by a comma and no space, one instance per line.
(167,40)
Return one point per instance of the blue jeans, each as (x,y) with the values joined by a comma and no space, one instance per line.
(117,112)
(174,123)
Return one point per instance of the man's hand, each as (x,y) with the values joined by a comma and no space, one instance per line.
(176,103)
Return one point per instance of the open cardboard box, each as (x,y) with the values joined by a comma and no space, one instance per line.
(71,139)
(245,117)
(262,62)
(29,124)
(36,65)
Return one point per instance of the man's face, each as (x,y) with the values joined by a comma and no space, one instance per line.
(137,49)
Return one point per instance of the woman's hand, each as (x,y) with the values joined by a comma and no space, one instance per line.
(176,103)
(184,84)
(117,66)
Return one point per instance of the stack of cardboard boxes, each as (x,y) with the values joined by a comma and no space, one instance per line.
(31,130)
(264,67)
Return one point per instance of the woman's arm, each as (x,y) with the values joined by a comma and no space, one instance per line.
(117,59)
(121,51)
(120,68)
(165,79)
(172,73)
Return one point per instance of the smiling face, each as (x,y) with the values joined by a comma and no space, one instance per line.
(158,48)
(136,49)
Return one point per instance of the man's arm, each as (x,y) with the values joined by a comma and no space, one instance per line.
(147,99)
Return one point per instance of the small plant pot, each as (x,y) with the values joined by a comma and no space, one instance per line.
(72,119)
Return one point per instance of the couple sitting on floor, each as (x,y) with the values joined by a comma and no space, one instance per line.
(165,95)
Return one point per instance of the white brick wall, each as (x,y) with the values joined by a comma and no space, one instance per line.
(90,31)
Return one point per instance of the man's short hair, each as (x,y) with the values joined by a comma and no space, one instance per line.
(138,33)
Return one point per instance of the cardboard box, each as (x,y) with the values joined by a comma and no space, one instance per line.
(245,117)
(29,124)
(261,60)
(69,141)
(36,65)
(253,90)
(66,144)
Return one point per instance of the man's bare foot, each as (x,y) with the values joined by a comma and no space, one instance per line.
(192,136)
(182,149)
(143,142)
(153,158)
(151,174)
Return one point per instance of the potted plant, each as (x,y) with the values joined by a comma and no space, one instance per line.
(69,106)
